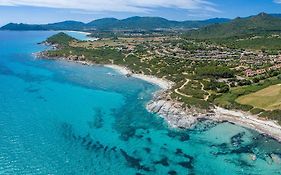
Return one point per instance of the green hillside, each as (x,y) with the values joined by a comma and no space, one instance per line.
(260,24)
(260,32)
(61,39)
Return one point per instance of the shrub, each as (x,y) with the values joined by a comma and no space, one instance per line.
(215,71)
(274,115)
(256,110)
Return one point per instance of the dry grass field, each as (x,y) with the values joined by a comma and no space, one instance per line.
(268,98)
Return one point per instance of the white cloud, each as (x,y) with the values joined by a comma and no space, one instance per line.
(277,1)
(115,5)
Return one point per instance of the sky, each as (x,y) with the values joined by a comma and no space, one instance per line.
(48,11)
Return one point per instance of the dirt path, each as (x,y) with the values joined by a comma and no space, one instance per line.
(202,88)
(182,94)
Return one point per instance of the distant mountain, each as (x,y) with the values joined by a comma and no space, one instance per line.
(276,15)
(199,24)
(66,25)
(102,23)
(132,23)
(135,23)
(260,24)
(21,26)
(75,25)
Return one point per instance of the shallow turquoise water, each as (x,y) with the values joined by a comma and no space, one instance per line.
(63,118)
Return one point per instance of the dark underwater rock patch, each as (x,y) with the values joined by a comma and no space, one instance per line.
(221,146)
(205,125)
(105,149)
(163,148)
(42,98)
(164,161)
(241,163)
(184,137)
(243,149)
(188,164)
(172,172)
(67,131)
(87,142)
(237,140)
(149,140)
(179,151)
(147,150)
(128,133)
(246,149)
(32,90)
(189,157)
(171,134)
(29,78)
(133,162)
(139,136)
(5,70)
(97,120)
(113,149)
(181,136)
(90,145)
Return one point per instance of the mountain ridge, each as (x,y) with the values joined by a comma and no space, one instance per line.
(131,23)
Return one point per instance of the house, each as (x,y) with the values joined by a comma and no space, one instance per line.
(249,73)
(260,71)
(278,66)
(278,59)
(272,68)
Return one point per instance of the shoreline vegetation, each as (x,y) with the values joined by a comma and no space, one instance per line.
(174,112)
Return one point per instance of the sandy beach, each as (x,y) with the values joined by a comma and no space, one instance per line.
(162,83)
(268,127)
(86,33)
(81,32)
(120,69)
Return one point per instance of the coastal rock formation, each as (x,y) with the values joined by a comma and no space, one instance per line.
(73,58)
(173,112)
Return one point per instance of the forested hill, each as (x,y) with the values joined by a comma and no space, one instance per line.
(66,25)
(150,23)
(132,23)
(260,24)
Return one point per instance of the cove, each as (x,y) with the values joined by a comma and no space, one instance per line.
(59,117)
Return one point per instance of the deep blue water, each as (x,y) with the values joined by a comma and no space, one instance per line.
(64,118)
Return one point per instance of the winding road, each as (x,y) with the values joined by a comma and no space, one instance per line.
(182,94)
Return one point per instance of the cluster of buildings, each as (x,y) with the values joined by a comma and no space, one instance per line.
(251,73)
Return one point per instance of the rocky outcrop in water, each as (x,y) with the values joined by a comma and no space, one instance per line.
(173,112)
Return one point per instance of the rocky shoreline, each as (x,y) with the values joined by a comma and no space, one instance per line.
(173,111)
(185,118)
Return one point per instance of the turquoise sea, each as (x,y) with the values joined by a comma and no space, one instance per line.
(63,118)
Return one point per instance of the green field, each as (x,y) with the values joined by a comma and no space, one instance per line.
(268,98)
